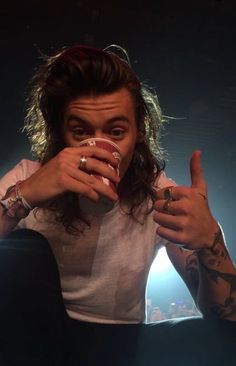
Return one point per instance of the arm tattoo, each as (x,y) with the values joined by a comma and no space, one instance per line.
(192,269)
(217,252)
(228,308)
(210,261)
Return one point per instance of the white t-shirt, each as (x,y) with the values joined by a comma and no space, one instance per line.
(104,271)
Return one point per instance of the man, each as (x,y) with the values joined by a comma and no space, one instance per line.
(103,259)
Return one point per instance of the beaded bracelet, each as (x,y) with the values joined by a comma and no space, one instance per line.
(16,206)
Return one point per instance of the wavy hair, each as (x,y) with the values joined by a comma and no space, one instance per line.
(82,70)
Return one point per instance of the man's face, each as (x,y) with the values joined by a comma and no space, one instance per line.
(110,116)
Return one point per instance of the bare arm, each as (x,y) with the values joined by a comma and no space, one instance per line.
(217,285)
(210,276)
(184,217)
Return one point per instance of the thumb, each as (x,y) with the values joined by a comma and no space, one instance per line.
(197,177)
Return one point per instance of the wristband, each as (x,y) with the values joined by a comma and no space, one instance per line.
(15,206)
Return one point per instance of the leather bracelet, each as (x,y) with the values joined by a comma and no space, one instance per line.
(15,206)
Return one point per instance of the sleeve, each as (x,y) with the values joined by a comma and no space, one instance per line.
(163,181)
(24,169)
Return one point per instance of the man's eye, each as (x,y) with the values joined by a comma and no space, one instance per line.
(79,131)
(117,132)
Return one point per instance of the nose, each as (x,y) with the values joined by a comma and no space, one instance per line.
(100,135)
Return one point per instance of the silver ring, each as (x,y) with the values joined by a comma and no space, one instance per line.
(166,206)
(82,162)
(168,194)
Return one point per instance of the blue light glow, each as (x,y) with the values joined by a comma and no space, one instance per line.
(161,262)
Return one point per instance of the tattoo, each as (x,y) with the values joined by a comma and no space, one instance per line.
(210,261)
(192,270)
(216,254)
(228,309)
(218,239)
(218,246)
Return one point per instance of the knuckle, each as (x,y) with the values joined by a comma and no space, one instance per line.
(157,205)
(63,154)
(66,150)
(159,230)
(61,157)
(184,222)
(186,209)
(62,165)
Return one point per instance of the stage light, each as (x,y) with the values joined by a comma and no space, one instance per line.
(161,262)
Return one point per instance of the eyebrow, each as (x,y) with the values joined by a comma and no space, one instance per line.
(118,118)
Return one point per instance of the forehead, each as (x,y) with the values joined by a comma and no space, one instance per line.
(117,101)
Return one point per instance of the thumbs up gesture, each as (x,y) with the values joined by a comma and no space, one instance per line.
(183,213)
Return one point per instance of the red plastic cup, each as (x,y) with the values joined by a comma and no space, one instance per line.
(104,204)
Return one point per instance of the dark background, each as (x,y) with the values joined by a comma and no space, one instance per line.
(184,49)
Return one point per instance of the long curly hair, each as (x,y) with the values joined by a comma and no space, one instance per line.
(82,70)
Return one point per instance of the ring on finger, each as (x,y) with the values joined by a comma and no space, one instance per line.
(168,194)
(166,206)
(83,162)
(203,195)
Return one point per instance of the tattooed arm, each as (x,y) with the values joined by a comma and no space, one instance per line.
(217,285)
(210,276)
(184,217)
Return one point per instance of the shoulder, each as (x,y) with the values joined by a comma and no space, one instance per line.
(27,167)
(23,169)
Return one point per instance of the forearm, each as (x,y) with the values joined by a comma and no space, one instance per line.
(217,281)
